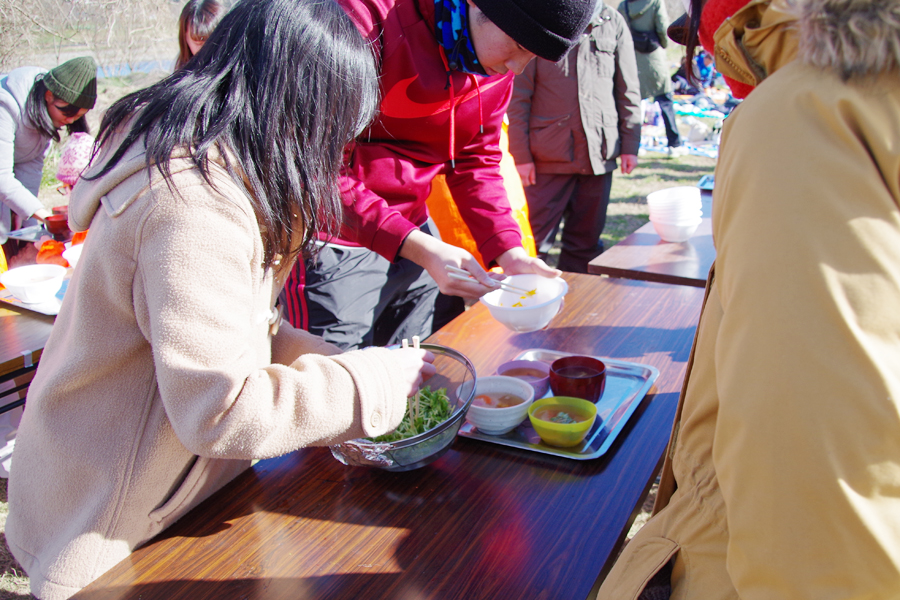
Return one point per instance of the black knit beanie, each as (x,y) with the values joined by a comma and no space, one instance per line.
(547,28)
(74,82)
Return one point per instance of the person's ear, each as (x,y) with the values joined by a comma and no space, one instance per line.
(48,96)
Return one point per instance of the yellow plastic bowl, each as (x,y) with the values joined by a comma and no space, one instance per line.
(563,434)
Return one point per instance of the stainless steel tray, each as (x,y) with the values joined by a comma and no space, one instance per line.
(626,385)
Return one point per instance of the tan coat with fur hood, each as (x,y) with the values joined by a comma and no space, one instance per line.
(782,479)
(161,380)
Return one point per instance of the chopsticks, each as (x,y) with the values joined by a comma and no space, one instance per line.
(405,344)
(463,275)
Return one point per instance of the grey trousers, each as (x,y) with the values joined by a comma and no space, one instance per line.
(580,199)
(354,298)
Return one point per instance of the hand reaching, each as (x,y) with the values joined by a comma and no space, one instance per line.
(435,255)
(516,261)
(413,366)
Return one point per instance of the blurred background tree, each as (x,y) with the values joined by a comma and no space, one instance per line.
(124,36)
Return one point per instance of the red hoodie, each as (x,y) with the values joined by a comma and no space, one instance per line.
(389,170)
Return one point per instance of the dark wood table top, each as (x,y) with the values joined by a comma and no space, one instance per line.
(644,256)
(483,521)
(23,334)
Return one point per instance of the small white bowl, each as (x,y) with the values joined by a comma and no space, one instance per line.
(676,221)
(676,233)
(675,214)
(33,284)
(527,313)
(681,195)
(497,421)
(72,254)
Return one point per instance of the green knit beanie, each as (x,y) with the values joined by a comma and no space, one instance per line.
(74,82)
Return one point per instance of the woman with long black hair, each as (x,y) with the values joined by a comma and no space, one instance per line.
(167,371)
(34,105)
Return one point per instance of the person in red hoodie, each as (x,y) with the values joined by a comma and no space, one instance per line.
(447,69)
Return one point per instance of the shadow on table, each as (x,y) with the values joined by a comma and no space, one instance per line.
(271,589)
(465,522)
(651,340)
(686,249)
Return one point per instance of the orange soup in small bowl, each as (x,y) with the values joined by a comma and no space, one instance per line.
(500,404)
(535,372)
(497,400)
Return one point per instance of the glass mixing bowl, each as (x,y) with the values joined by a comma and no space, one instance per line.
(453,369)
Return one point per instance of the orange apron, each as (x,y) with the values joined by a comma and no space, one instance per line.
(453,229)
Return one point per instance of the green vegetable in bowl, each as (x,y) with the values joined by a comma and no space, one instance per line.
(563,417)
(431,409)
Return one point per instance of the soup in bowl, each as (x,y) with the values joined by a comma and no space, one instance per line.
(579,377)
(562,421)
(500,404)
(533,372)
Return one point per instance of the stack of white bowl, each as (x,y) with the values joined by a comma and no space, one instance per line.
(675,212)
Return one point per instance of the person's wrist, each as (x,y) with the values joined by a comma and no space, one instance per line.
(505,259)
(415,246)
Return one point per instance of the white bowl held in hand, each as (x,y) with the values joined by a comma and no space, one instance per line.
(34,284)
(492,420)
(677,232)
(527,312)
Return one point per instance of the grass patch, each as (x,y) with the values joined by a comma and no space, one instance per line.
(13,580)
(627,210)
(621,226)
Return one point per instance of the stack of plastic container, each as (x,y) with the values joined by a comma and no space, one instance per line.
(675,212)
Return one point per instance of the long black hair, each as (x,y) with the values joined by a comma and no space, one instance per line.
(281,87)
(198,20)
(36,111)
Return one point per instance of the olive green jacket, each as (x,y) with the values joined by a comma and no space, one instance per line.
(654,72)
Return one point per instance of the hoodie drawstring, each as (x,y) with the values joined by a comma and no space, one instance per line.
(480,108)
(474,80)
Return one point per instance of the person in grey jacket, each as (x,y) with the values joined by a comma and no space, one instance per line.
(34,105)
(653,67)
(568,122)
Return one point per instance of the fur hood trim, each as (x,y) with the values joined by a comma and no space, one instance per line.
(855,38)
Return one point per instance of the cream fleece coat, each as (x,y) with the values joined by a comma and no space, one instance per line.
(161,380)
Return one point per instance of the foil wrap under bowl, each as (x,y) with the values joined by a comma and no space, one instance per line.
(453,369)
